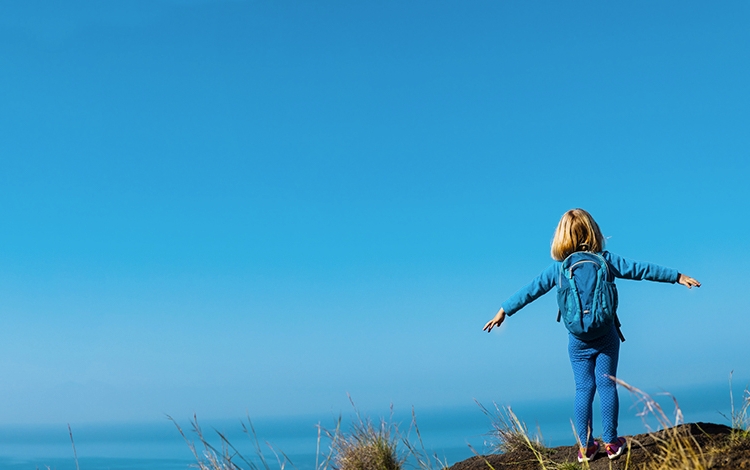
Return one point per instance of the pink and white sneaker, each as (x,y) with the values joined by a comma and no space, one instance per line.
(614,449)
(589,453)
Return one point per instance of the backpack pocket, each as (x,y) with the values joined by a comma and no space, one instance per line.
(570,311)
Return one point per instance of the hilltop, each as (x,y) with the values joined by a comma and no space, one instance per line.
(687,446)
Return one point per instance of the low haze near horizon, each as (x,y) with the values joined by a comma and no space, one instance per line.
(221,207)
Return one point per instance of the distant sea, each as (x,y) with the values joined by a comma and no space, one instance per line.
(449,433)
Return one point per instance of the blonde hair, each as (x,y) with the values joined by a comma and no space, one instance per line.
(577,231)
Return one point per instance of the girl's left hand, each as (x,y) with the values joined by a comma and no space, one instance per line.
(496,321)
(688,281)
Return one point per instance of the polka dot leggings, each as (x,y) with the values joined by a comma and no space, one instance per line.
(593,362)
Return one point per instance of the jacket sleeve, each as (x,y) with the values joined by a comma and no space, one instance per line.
(535,289)
(639,270)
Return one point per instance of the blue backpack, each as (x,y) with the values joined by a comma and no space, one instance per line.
(587,296)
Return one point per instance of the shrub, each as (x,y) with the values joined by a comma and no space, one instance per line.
(367,447)
(510,434)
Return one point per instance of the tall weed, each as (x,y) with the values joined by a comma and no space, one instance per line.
(740,417)
(509,434)
(228,457)
(676,446)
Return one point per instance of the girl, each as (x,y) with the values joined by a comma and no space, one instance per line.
(593,361)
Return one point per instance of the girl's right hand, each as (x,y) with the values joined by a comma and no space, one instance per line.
(688,281)
(496,321)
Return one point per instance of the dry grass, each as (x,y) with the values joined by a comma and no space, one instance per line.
(228,457)
(366,446)
(676,447)
(510,434)
(72,443)
(567,466)
(670,445)
(417,451)
(369,445)
(740,417)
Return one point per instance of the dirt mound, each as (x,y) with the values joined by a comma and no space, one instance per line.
(708,443)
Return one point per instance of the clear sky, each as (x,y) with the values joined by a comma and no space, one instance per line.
(224,206)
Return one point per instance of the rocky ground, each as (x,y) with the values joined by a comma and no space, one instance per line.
(708,445)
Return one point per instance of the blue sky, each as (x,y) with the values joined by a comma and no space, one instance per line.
(216,207)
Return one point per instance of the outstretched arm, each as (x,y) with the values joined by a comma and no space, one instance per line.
(497,320)
(687,281)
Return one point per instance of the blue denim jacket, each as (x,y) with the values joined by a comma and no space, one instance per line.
(620,268)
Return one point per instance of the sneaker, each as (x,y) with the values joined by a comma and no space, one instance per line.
(590,452)
(614,449)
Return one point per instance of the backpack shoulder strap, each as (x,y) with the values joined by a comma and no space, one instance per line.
(603,261)
(611,278)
